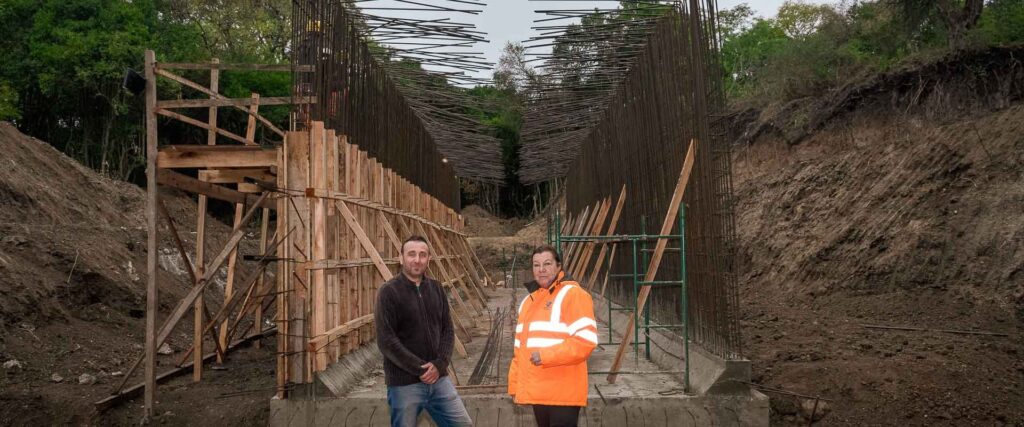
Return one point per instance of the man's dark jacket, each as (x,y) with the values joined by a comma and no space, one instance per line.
(414,326)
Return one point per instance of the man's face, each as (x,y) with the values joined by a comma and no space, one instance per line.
(415,257)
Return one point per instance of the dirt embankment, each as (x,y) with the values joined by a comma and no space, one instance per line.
(72,285)
(892,210)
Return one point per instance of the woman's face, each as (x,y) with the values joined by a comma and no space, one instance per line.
(545,268)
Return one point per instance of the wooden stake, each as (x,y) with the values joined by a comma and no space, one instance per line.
(587,251)
(229,284)
(258,320)
(604,246)
(250,130)
(151,242)
(659,250)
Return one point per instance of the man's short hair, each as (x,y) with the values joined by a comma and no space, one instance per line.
(414,238)
(547,248)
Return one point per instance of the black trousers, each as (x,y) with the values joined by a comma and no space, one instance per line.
(556,416)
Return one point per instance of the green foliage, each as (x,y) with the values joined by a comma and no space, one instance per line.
(809,48)
(8,102)
(799,19)
(1002,22)
(62,63)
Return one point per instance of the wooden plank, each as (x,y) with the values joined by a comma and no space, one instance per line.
(611,261)
(132,391)
(250,129)
(353,225)
(247,283)
(659,250)
(217,156)
(234,102)
(192,185)
(219,66)
(586,248)
(212,94)
(235,176)
(249,188)
(197,318)
(333,244)
(589,284)
(229,284)
(152,241)
(323,339)
(337,264)
(356,200)
(390,230)
(283,283)
(318,239)
(183,305)
(211,135)
(188,264)
(211,128)
(585,221)
(258,317)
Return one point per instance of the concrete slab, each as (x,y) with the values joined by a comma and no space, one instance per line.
(646,393)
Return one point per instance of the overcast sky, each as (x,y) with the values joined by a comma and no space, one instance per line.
(510,20)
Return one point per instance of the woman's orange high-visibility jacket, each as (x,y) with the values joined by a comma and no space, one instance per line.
(559,323)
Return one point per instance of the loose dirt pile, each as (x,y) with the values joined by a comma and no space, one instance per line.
(481,223)
(72,286)
(887,215)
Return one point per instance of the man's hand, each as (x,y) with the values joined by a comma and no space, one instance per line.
(535,358)
(431,375)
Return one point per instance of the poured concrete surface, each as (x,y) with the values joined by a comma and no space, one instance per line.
(645,393)
(679,411)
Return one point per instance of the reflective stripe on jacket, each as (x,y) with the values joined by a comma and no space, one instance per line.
(557,322)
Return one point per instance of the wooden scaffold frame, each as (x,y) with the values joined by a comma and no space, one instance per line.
(338,215)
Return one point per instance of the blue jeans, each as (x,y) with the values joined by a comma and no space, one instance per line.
(439,399)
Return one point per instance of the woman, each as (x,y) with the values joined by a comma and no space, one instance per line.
(554,336)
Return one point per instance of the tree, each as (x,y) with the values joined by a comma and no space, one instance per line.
(512,73)
(62,62)
(243,30)
(8,102)
(957,17)
(799,19)
(65,60)
(734,21)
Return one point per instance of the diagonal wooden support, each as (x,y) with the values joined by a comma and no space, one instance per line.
(446,276)
(604,246)
(364,240)
(587,250)
(466,247)
(611,261)
(395,241)
(191,270)
(216,95)
(209,272)
(467,264)
(451,258)
(585,221)
(659,250)
(249,282)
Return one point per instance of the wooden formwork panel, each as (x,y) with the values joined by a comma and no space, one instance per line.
(348,214)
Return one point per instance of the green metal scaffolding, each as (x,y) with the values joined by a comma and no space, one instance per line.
(638,244)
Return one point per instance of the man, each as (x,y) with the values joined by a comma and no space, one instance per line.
(415,335)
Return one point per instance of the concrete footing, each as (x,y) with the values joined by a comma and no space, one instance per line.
(717,394)
(709,373)
(669,411)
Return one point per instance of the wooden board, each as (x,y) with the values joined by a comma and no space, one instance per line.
(215,156)
(659,251)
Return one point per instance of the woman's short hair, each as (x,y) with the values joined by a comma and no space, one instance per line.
(547,248)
